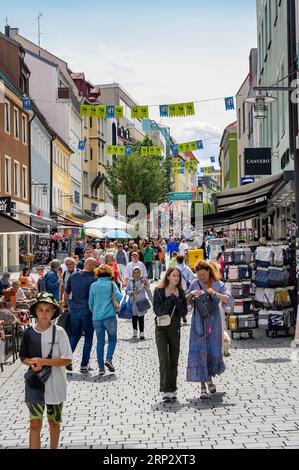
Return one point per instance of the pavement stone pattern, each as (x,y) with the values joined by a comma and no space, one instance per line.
(257,404)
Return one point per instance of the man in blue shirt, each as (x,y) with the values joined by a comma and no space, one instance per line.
(81,317)
(52,281)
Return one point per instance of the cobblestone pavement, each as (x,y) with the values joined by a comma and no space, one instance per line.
(257,404)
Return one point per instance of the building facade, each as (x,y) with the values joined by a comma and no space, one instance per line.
(62,196)
(14,150)
(273,70)
(228,157)
(55,93)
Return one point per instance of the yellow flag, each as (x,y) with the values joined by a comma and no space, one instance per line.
(189,108)
(193,146)
(144,151)
(181,110)
(143,112)
(158,151)
(114,149)
(121,151)
(119,112)
(151,150)
(134,112)
(101,111)
(84,110)
(109,149)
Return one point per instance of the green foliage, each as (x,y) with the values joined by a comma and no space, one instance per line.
(142,179)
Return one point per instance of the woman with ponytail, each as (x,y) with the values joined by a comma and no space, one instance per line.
(205,359)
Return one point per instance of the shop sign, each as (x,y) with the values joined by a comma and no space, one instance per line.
(258,161)
(5,204)
(180,197)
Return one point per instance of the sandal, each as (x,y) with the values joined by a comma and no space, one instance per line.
(204,394)
(212,388)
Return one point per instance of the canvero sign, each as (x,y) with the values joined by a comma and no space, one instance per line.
(258,161)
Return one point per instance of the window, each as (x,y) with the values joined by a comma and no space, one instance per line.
(7,117)
(24,182)
(7,175)
(91,154)
(244,118)
(16,178)
(77,197)
(54,154)
(90,122)
(24,129)
(283,101)
(16,123)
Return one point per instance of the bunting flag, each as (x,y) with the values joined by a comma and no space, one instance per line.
(110,112)
(229,103)
(102,111)
(191,167)
(127,150)
(187,147)
(26,104)
(213,160)
(139,112)
(81,145)
(177,110)
(182,167)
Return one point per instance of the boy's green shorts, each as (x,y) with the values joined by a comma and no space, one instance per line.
(54,412)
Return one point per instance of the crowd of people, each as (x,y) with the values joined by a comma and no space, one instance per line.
(85,295)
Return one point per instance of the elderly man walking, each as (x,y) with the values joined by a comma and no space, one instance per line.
(81,317)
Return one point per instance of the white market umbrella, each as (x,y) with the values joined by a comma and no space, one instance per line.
(93,232)
(105,223)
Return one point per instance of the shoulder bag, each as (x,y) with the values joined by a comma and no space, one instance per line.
(165,320)
(38,379)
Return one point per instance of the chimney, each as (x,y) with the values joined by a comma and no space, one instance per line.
(14,32)
(7,31)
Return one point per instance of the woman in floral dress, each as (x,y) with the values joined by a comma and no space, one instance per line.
(205,359)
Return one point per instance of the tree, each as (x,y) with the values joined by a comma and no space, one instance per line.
(141,179)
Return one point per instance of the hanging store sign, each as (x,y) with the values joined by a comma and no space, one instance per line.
(258,161)
(26,104)
(5,205)
(247,180)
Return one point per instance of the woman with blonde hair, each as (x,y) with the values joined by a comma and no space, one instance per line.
(205,359)
(103,297)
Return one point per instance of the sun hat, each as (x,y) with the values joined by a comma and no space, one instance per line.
(46,298)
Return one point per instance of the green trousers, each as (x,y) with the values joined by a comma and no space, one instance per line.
(168,344)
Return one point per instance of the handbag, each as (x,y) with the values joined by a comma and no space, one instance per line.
(116,304)
(38,379)
(126,311)
(164,320)
(143,305)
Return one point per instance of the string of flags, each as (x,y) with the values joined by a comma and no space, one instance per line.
(182,167)
(142,112)
(208,170)
(127,150)
(187,147)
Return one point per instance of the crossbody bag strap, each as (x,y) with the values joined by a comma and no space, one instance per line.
(53,341)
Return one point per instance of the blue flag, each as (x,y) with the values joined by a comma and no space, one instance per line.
(229,103)
(164,110)
(110,112)
(213,160)
(175,149)
(128,151)
(26,104)
(81,145)
(199,144)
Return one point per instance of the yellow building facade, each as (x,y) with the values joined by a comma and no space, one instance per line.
(61,178)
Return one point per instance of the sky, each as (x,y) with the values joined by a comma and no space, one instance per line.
(162,51)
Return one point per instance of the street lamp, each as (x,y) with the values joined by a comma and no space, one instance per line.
(260,104)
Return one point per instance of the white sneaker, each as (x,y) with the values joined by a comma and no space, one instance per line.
(142,336)
(135,333)
(166,396)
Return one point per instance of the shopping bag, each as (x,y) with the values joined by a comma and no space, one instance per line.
(126,311)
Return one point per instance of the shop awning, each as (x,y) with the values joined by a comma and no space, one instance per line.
(38,219)
(248,194)
(240,213)
(66,222)
(10,226)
